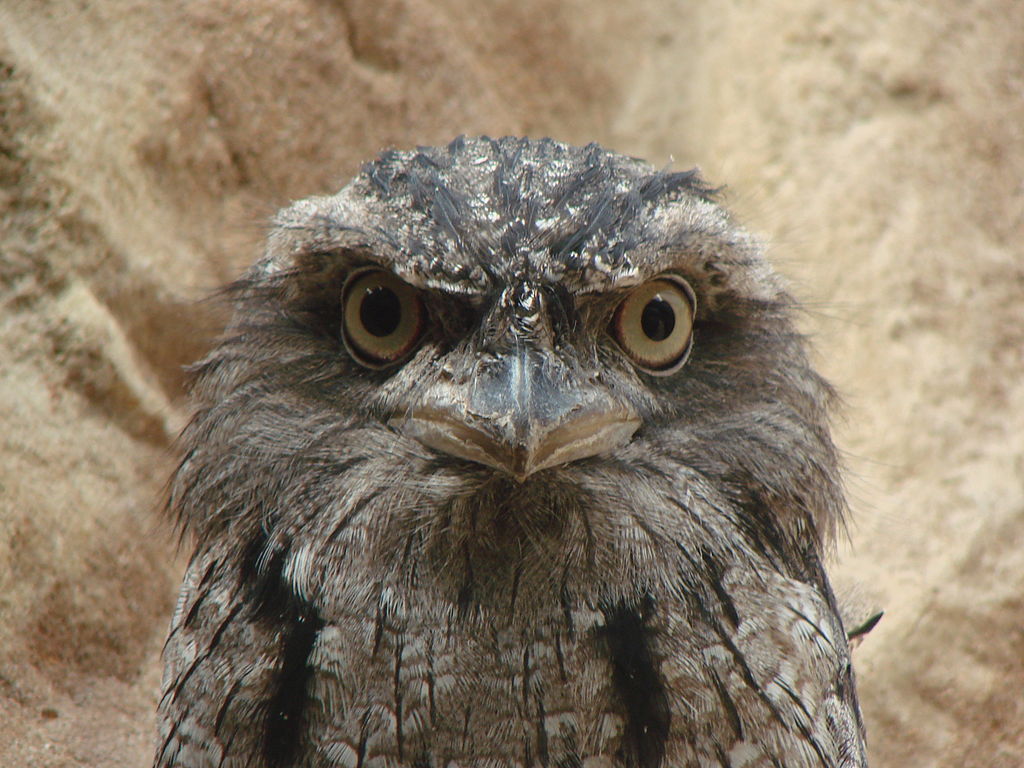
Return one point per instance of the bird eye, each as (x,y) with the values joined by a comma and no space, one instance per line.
(654,324)
(383,318)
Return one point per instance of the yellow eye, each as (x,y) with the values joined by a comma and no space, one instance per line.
(654,324)
(383,317)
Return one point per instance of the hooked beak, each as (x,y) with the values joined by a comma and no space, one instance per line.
(519,419)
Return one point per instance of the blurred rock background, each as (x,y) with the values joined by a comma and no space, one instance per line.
(879,144)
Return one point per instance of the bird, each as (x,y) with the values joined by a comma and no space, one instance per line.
(511,454)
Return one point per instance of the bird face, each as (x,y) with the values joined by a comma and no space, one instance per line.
(529,338)
(534,402)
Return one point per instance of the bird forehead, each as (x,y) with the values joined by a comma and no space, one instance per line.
(480,213)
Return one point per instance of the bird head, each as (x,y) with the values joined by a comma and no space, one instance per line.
(508,345)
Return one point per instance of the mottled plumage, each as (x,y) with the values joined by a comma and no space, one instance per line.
(486,529)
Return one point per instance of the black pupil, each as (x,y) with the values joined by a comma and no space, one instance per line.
(658,319)
(380,312)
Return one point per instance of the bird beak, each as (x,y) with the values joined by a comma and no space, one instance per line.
(523,416)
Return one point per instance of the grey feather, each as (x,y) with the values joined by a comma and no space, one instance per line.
(512,546)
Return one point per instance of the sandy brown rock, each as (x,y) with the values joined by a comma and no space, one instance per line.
(880,145)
